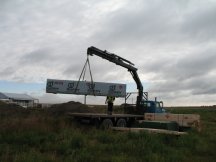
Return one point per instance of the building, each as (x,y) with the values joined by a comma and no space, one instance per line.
(23,100)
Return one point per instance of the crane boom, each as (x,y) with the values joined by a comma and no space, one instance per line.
(121,62)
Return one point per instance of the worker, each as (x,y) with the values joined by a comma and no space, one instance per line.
(110,100)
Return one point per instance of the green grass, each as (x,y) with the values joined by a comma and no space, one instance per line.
(34,136)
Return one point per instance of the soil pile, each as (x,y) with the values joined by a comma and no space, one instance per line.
(73,107)
(8,105)
(11,109)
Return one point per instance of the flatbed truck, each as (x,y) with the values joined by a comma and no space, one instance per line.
(147,113)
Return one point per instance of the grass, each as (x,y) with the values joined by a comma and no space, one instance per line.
(34,136)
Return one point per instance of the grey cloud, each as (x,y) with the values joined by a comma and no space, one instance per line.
(161,22)
(193,74)
(204,91)
(171,42)
(141,25)
(173,89)
(196,64)
(102,70)
(203,85)
(201,23)
(73,70)
(37,57)
(6,72)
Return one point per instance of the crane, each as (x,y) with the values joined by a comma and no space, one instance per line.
(121,62)
(150,113)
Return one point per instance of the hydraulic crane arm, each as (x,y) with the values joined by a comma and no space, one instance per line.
(121,62)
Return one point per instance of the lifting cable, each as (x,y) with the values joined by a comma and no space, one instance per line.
(83,74)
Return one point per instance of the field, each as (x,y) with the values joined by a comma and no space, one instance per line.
(41,135)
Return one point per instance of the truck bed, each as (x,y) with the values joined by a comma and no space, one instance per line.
(100,115)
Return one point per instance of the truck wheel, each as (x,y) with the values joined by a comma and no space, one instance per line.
(121,123)
(106,124)
(97,123)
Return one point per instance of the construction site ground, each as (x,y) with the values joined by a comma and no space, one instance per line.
(49,135)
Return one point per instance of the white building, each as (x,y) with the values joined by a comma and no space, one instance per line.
(23,100)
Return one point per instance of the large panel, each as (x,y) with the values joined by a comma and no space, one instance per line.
(85,88)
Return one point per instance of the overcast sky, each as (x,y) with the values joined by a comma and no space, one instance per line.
(171,42)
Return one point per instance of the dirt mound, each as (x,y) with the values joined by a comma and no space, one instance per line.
(10,109)
(8,105)
(74,107)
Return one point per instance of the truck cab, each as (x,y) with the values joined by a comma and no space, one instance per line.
(151,107)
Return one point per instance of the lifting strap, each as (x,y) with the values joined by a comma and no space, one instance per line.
(83,74)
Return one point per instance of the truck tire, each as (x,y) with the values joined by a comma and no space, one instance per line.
(106,124)
(97,123)
(121,123)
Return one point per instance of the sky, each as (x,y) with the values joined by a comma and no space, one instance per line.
(172,43)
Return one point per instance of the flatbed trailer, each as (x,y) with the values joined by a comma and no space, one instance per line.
(105,120)
(174,122)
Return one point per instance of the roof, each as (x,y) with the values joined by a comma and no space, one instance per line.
(15,96)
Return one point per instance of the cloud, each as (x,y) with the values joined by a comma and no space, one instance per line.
(196,64)
(172,43)
(7,71)
(39,56)
(144,23)
(201,23)
(191,75)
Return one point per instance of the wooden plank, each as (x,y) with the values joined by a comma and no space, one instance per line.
(149,130)
(184,120)
(191,120)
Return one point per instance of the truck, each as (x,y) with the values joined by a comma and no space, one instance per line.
(149,114)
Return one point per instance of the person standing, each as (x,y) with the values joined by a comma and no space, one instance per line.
(110,100)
